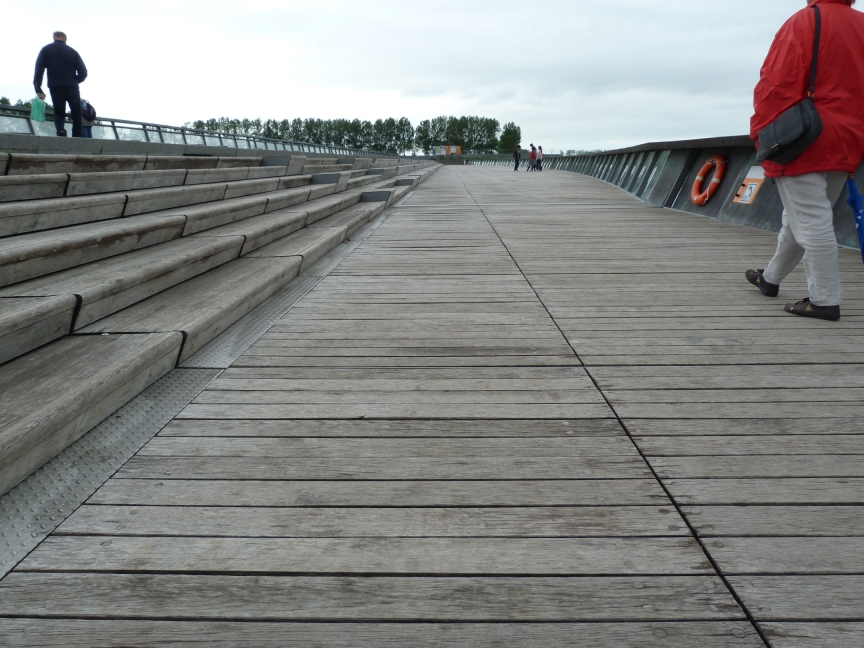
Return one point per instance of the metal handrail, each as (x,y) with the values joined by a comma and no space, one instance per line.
(148,128)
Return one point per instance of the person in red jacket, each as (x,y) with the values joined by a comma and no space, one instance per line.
(810,185)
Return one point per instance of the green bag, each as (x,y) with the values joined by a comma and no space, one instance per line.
(37,110)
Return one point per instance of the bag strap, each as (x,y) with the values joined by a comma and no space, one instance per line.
(816,40)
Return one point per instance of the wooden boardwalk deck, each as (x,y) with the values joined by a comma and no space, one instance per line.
(528,411)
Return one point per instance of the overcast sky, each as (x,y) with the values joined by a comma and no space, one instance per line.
(574,74)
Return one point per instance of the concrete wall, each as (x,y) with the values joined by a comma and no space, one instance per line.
(662,174)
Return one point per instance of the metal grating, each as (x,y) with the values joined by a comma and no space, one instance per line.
(40,503)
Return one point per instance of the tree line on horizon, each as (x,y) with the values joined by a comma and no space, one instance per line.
(393,136)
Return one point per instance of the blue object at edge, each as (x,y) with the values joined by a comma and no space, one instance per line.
(856,202)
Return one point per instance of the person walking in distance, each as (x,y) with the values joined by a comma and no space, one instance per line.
(532,159)
(66,71)
(810,184)
(517,155)
(539,158)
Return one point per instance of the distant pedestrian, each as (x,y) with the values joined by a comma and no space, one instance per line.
(810,184)
(539,158)
(532,159)
(88,116)
(517,155)
(66,71)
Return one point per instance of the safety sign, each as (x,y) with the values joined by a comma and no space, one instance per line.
(750,187)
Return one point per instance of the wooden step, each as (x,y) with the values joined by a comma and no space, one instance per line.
(36,187)
(203,307)
(55,394)
(39,163)
(352,218)
(151,200)
(27,323)
(37,215)
(82,184)
(40,253)
(308,244)
(107,286)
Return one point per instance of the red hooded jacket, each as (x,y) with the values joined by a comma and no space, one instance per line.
(785,80)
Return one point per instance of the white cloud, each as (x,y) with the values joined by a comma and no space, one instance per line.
(572,74)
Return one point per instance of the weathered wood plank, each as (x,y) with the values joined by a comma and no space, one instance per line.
(446,428)
(755,467)
(790,598)
(411,410)
(47,633)
(505,361)
(814,635)
(803,444)
(752,426)
(271,522)
(442,556)
(789,555)
(399,468)
(788,491)
(712,521)
(399,398)
(570,492)
(464,449)
(300,598)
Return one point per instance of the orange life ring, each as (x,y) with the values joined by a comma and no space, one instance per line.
(700,197)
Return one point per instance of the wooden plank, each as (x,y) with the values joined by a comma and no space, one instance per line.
(415,493)
(814,635)
(788,491)
(372,468)
(765,397)
(823,520)
(789,555)
(398,398)
(400,411)
(227,383)
(803,444)
(813,597)
(446,428)
(347,598)
(408,375)
(740,410)
(47,633)
(465,449)
(441,556)
(419,361)
(756,467)
(753,426)
(271,522)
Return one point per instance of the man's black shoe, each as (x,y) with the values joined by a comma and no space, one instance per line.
(806,309)
(768,289)
(61,133)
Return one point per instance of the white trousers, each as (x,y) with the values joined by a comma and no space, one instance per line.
(808,233)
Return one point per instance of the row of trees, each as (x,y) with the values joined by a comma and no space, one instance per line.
(394,136)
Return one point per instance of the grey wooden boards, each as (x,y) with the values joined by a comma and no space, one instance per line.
(427,450)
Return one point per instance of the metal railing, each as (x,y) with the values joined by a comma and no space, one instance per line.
(16,120)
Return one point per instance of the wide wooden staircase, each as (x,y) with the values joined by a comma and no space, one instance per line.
(115,268)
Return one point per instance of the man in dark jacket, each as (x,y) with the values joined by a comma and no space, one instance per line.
(517,155)
(811,184)
(65,71)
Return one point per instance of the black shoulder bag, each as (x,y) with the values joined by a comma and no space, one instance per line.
(795,130)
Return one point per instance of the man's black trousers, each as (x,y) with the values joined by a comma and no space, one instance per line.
(60,96)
